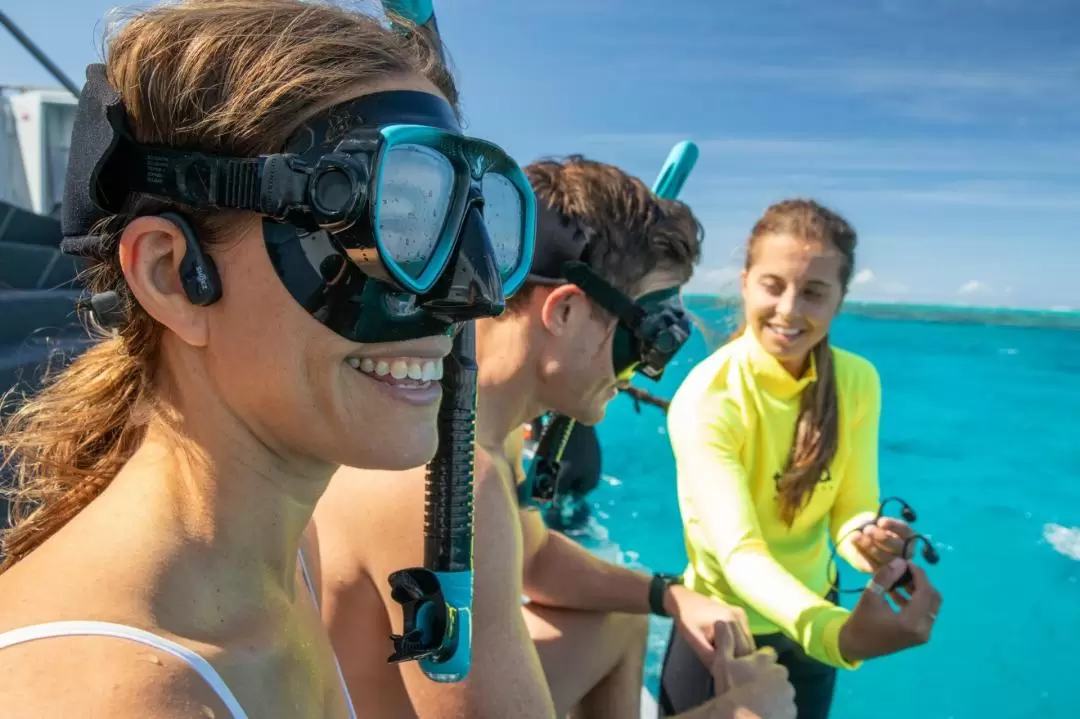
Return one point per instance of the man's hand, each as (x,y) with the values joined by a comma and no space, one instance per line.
(697,617)
(881,542)
(750,687)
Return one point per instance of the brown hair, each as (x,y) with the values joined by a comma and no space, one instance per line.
(817,427)
(228,76)
(634,231)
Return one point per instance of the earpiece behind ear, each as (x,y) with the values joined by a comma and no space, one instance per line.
(198,274)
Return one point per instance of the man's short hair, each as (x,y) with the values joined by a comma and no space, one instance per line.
(628,230)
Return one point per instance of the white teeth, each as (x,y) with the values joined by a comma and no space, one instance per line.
(785,332)
(420,371)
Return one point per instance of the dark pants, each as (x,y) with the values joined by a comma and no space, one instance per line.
(687,683)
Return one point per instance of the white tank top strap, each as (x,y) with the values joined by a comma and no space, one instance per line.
(337,664)
(202,667)
(52,630)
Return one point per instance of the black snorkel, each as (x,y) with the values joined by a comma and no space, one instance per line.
(541,481)
(437,598)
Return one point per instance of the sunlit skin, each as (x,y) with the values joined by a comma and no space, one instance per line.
(577,375)
(791,292)
(196,537)
(570,651)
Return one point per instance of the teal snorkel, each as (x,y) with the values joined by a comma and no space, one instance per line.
(541,481)
(680,161)
(437,598)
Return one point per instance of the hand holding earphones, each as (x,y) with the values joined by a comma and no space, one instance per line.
(885,539)
(882,541)
(875,628)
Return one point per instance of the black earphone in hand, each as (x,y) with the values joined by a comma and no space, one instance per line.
(908,515)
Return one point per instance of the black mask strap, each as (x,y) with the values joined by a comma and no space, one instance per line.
(605,294)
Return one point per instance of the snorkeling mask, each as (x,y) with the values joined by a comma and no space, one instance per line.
(380,218)
(650,330)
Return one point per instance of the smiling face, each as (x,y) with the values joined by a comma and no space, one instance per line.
(311,390)
(791,291)
(301,390)
(581,381)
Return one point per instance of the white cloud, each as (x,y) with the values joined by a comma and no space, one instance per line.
(863,277)
(972,287)
(867,286)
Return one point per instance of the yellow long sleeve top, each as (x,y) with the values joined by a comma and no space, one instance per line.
(731,425)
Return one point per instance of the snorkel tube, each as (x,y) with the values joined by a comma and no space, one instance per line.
(541,482)
(680,161)
(437,599)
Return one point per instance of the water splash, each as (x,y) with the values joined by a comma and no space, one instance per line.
(1064,540)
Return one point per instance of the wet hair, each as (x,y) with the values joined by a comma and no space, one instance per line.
(634,232)
(227,76)
(817,427)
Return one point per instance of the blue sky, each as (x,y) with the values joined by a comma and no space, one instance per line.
(947,131)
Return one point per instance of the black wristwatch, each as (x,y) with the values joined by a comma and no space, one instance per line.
(657,587)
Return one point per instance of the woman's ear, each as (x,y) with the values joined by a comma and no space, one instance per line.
(561,307)
(151,249)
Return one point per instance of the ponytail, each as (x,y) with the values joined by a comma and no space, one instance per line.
(816,437)
(68,443)
(817,428)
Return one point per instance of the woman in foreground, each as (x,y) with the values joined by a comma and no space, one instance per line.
(775,438)
(165,478)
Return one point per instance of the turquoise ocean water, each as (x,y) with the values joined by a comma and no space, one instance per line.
(981,434)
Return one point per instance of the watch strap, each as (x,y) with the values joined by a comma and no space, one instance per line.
(657,586)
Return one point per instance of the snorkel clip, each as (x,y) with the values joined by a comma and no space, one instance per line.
(541,484)
(429,623)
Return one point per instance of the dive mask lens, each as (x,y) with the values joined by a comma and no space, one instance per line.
(415,191)
(426,179)
(662,331)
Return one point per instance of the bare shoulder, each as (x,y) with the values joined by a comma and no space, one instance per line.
(490,469)
(366,503)
(367,524)
(101,676)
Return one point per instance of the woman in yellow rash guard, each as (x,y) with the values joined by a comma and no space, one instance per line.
(775,439)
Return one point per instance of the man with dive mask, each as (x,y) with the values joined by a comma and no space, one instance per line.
(601,302)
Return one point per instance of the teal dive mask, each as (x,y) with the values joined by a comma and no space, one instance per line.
(380,217)
(650,330)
